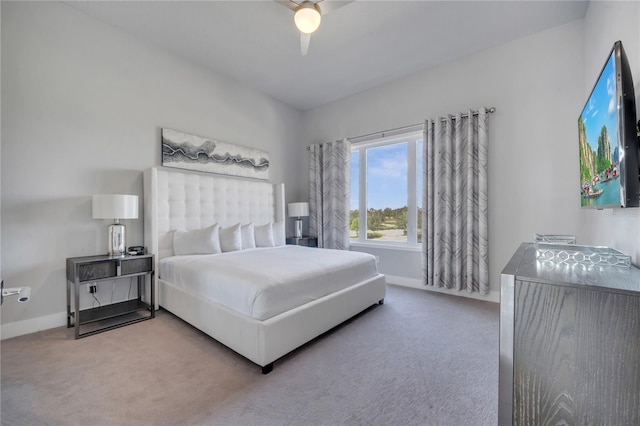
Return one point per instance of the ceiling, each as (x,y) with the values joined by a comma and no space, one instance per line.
(359,45)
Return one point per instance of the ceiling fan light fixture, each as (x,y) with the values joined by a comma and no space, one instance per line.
(307,17)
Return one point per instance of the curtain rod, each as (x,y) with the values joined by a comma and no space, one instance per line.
(384,133)
(403,129)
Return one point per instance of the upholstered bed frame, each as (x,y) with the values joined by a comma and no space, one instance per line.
(175,200)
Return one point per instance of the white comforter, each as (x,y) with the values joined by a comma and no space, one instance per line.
(265,282)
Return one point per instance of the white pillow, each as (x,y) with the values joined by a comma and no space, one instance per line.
(247,235)
(230,238)
(197,241)
(264,235)
(278,234)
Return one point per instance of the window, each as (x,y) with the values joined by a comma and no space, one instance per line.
(386,190)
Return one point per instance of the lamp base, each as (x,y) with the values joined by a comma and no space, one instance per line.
(298,228)
(116,239)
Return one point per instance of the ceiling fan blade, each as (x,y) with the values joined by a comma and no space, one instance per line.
(327,6)
(304,43)
(288,4)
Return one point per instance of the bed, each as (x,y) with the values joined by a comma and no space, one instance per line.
(260,322)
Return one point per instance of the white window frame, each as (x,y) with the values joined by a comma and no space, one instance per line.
(411,138)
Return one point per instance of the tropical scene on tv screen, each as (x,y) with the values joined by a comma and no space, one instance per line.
(598,139)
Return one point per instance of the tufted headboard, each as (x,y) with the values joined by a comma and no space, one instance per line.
(175,200)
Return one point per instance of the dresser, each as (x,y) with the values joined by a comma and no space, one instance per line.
(569,343)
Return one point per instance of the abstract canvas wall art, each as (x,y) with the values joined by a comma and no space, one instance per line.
(185,151)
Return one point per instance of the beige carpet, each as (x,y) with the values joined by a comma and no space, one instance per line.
(419,359)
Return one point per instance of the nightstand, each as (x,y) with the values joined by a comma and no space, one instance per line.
(304,241)
(93,269)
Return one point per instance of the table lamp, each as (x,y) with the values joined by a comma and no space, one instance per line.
(115,206)
(298,210)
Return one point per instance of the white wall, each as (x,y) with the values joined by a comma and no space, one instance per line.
(82,109)
(605,23)
(536,85)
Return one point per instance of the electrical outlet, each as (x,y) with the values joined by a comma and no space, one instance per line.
(92,288)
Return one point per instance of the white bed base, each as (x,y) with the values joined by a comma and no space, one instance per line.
(171,199)
(263,342)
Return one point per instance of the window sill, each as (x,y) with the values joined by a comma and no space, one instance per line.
(386,246)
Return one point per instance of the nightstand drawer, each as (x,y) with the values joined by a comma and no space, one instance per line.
(304,241)
(97,271)
(136,266)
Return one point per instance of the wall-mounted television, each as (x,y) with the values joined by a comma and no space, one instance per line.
(607,137)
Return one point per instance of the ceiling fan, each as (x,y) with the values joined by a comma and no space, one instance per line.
(307,16)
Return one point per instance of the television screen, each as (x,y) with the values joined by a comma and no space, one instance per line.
(607,138)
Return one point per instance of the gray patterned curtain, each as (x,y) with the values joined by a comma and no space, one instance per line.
(454,231)
(329,166)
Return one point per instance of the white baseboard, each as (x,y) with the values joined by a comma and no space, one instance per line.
(19,328)
(493,296)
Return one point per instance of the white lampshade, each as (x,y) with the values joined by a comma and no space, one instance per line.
(115,206)
(307,17)
(298,209)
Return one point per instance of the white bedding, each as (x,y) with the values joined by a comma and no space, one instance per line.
(265,282)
